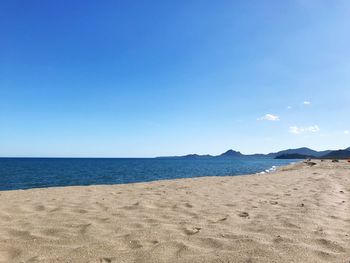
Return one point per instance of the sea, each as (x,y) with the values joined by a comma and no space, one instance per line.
(26,173)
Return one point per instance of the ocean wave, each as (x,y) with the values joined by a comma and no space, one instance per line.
(270,170)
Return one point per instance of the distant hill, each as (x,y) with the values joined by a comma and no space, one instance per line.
(340,154)
(197,156)
(231,153)
(301,151)
(188,156)
(294,156)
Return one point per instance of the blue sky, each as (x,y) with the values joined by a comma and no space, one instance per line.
(149,78)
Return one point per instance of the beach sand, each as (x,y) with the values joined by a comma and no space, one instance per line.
(297,214)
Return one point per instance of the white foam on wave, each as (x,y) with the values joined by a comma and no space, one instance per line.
(270,170)
(273,169)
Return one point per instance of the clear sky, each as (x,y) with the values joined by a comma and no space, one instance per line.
(149,78)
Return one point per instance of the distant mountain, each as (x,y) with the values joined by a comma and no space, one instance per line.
(321,153)
(340,154)
(188,156)
(230,153)
(299,153)
(302,151)
(196,156)
(294,156)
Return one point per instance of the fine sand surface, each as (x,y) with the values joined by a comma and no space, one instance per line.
(298,214)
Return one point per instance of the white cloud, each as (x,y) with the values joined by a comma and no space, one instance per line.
(306,102)
(314,128)
(289,107)
(269,117)
(299,130)
(346,132)
(295,130)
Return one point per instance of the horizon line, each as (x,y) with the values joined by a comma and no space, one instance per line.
(151,157)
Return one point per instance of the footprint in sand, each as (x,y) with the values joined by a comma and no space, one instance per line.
(135,244)
(243,214)
(192,231)
(83,228)
(222,219)
(39,208)
(106,260)
(34,259)
(188,205)
(330,245)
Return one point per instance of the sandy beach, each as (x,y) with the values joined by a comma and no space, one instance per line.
(297,214)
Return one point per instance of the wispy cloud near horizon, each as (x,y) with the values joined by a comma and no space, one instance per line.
(300,130)
(269,117)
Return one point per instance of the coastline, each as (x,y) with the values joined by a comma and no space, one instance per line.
(294,214)
(17,174)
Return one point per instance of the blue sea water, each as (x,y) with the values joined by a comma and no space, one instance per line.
(24,173)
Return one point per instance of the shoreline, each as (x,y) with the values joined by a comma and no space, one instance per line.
(272,169)
(297,213)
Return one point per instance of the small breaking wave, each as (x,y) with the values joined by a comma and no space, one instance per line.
(270,170)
